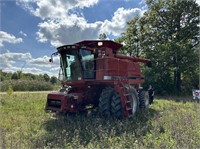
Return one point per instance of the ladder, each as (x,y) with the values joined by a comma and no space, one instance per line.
(123,89)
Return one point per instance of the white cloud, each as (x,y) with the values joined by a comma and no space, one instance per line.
(27,4)
(37,71)
(54,8)
(32,70)
(198,2)
(75,28)
(55,69)
(22,33)
(118,23)
(6,37)
(66,31)
(8,59)
(62,25)
(12,62)
(143,5)
(44,62)
(142,2)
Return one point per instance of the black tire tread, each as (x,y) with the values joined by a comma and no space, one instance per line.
(116,107)
(104,101)
(142,99)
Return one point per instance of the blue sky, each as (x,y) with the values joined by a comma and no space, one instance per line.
(30,30)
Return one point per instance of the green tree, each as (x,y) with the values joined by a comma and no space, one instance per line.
(29,76)
(103,36)
(46,77)
(20,74)
(131,39)
(2,77)
(15,76)
(5,75)
(171,31)
(167,34)
(53,80)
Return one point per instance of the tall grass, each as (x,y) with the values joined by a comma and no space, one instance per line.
(166,124)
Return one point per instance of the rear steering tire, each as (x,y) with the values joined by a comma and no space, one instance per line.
(134,100)
(143,99)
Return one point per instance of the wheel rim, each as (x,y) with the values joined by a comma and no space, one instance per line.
(134,104)
(133,99)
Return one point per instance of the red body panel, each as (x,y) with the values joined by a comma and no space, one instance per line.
(116,67)
(56,97)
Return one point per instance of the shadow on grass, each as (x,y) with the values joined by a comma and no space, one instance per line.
(86,128)
(182,99)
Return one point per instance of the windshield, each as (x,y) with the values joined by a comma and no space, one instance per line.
(77,64)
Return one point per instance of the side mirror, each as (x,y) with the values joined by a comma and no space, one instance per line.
(51,60)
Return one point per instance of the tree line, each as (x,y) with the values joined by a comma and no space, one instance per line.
(19,75)
(19,81)
(168,35)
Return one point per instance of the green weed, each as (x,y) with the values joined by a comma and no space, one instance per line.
(9,90)
(166,124)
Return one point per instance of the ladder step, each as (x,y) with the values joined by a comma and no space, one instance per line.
(128,108)
(123,87)
(127,94)
(128,101)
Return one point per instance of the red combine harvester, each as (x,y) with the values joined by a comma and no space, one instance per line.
(95,76)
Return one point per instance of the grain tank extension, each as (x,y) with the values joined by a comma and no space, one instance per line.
(94,76)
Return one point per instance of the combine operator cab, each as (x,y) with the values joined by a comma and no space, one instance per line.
(77,64)
(93,75)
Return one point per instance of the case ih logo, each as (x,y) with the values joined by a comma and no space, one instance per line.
(196,94)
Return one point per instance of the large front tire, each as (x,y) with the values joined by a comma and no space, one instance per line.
(105,102)
(116,106)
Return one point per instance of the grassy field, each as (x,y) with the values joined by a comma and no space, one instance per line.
(166,124)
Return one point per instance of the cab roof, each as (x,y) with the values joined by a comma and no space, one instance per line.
(100,43)
(95,44)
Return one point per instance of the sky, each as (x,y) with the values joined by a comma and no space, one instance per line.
(30,30)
